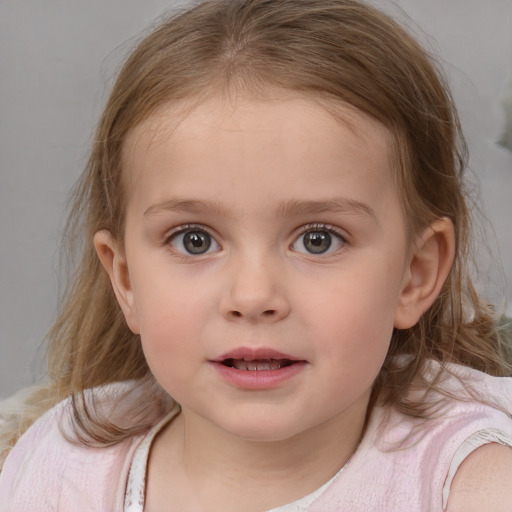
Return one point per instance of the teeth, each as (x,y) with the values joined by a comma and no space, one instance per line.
(257,365)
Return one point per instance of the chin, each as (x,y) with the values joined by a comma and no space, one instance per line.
(261,430)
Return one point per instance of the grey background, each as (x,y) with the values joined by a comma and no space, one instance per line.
(57,60)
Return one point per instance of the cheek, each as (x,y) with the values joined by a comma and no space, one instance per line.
(168,300)
(168,322)
(353,352)
(173,315)
(355,319)
(356,339)
(171,341)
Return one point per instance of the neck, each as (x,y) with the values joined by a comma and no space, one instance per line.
(218,465)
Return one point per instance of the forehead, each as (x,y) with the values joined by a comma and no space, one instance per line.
(296,127)
(258,156)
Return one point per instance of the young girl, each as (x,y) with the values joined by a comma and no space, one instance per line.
(273,310)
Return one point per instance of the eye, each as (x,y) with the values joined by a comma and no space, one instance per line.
(319,240)
(193,241)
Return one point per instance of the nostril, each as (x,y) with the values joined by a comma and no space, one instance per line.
(266,313)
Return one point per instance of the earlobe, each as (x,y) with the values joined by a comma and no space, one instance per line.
(430,263)
(113,259)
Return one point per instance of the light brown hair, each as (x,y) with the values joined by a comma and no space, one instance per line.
(330,50)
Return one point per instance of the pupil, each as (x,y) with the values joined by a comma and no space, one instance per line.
(317,242)
(196,242)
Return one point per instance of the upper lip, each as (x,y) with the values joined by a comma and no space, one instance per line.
(255,354)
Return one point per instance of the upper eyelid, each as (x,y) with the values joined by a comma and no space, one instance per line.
(182,228)
(323,226)
(298,231)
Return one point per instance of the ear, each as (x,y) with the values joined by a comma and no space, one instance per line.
(113,259)
(430,262)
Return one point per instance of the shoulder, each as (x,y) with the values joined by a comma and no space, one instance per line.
(46,465)
(483,481)
(37,461)
(471,416)
(474,438)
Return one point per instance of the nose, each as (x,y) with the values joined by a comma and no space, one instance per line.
(255,292)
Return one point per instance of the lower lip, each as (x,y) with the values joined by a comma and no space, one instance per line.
(258,379)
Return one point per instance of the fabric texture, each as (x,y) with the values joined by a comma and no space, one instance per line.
(405,464)
(402,464)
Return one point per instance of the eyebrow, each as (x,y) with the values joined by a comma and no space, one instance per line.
(288,208)
(187,205)
(336,205)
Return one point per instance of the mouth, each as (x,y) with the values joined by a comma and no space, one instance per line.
(256,359)
(258,368)
(252,365)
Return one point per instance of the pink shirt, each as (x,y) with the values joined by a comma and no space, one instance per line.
(402,464)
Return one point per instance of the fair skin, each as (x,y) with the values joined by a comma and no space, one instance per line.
(483,481)
(260,239)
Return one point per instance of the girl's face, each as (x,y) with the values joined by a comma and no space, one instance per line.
(264,262)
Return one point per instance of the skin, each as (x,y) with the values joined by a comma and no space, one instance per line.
(256,177)
(483,481)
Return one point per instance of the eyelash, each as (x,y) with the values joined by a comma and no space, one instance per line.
(318,226)
(183,229)
(332,230)
(328,228)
